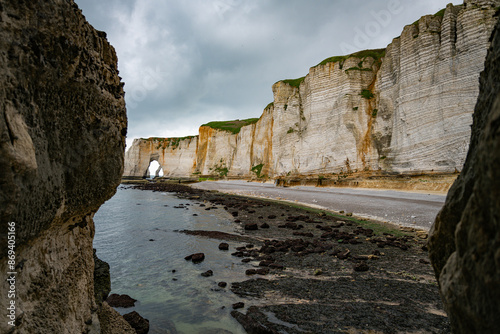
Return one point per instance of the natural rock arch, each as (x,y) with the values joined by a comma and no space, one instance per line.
(158,172)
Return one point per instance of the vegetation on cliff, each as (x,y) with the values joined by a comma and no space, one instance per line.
(293,82)
(376,54)
(231,126)
(168,142)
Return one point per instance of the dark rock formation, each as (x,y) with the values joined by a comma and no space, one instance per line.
(115,300)
(137,322)
(102,280)
(223,246)
(196,258)
(62,138)
(464,244)
(207,273)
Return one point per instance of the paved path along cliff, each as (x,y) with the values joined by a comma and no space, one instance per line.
(416,210)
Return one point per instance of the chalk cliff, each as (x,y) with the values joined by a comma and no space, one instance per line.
(176,156)
(62,128)
(464,245)
(403,109)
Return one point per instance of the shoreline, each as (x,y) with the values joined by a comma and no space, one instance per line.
(321,273)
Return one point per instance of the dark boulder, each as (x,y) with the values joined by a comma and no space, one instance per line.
(115,300)
(464,245)
(223,246)
(137,322)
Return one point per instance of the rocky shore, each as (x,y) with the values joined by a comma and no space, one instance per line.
(323,272)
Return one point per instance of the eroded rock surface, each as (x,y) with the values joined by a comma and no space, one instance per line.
(62,138)
(465,238)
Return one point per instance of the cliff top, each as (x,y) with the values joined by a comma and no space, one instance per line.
(231,126)
(376,54)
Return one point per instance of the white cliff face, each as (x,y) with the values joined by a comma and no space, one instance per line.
(176,156)
(215,151)
(427,88)
(405,109)
(324,126)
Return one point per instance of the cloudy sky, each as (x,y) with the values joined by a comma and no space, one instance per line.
(188,62)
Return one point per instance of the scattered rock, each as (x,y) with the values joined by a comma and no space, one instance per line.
(137,322)
(196,258)
(222,284)
(251,227)
(115,300)
(262,271)
(264,225)
(223,246)
(318,272)
(207,273)
(238,305)
(276,266)
(362,266)
(250,272)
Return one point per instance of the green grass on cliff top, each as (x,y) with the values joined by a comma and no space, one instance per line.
(375,54)
(293,82)
(231,126)
(168,139)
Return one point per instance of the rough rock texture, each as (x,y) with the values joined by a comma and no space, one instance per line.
(102,280)
(112,323)
(62,138)
(176,156)
(428,86)
(465,238)
(408,112)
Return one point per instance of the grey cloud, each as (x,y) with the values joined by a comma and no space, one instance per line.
(188,62)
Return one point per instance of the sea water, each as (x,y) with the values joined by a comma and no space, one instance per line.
(136,233)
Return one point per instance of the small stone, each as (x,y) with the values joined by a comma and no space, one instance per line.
(223,246)
(362,266)
(422,235)
(265,263)
(349,214)
(246,260)
(222,284)
(318,272)
(264,225)
(251,227)
(238,305)
(262,271)
(196,258)
(276,266)
(250,272)
(207,273)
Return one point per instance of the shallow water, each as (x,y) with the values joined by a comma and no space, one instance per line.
(174,302)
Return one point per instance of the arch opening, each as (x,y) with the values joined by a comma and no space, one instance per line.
(154,170)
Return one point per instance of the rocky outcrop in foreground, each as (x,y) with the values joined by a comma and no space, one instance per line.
(62,137)
(405,109)
(465,238)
